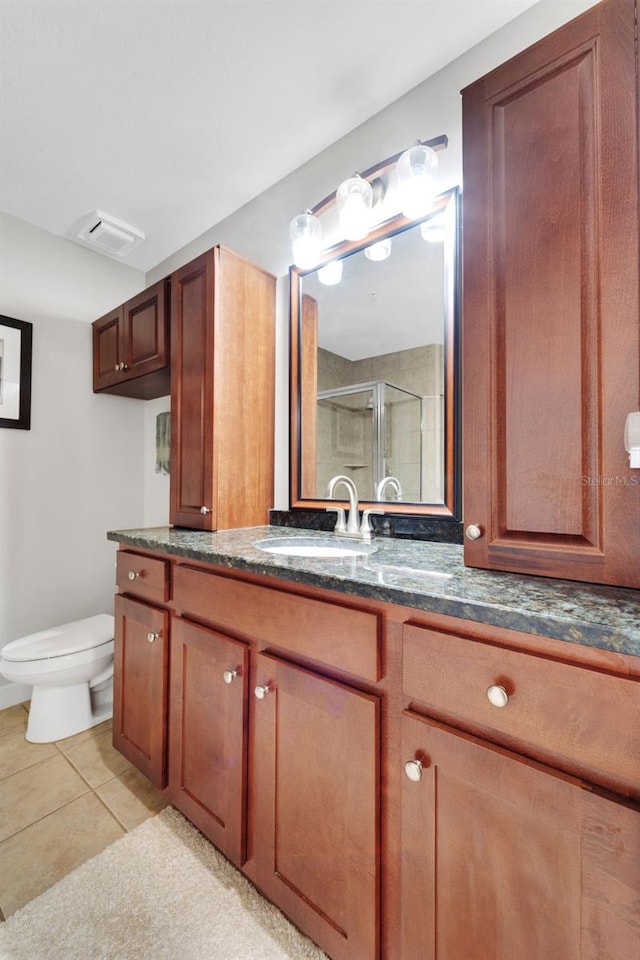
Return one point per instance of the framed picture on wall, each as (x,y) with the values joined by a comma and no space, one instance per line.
(16,337)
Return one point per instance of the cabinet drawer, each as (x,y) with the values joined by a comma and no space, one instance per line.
(583,721)
(143,577)
(339,636)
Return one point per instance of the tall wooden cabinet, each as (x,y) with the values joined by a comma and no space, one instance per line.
(551,356)
(222,392)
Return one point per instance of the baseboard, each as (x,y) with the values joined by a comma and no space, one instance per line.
(13,693)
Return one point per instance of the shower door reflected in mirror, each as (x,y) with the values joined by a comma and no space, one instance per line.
(373,371)
(369,432)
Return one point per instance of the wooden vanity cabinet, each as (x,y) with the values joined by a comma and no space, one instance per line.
(208,733)
(315,842)
(141,663)
(131,346)
(504,858)
(303,793)
(551,339)
(402,785)
(520,804)
(141,655)
(222,393)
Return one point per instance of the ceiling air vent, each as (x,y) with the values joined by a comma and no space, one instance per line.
(107,235)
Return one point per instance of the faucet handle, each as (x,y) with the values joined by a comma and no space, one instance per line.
(365,526)
(341,523)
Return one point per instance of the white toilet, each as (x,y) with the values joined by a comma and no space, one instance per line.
(71,670)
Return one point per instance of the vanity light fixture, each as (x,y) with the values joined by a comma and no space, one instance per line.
(413,187)
(305,231)
(331,273)
(354,199)
(433,230)
(416,172)
(379,250)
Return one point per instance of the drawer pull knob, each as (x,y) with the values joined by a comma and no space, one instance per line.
(134,574)
(261,691)
(413,770)
(204,511)
(473,532)
(497,695)
(151,636)
(229,675)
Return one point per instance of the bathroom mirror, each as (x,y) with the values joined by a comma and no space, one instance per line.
(374,362)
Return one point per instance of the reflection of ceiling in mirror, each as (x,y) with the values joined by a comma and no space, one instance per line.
(385,306)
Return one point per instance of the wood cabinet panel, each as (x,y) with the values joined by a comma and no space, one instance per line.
(131,346)
(316,840)
(581,720)
(339,636)
(551,276)
(222,401)
(208,731)
(142,576)
(502,858)
(107,349)
(141,655)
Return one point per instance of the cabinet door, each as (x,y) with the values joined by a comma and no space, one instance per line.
(207,748)
(140,686)
(551,277)
(315,806)
(146,340)
(108,347)
(192,321)
(504,858)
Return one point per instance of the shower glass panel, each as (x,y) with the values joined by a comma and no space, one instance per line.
(368,431)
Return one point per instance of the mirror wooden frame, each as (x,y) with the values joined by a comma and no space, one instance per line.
(303,376)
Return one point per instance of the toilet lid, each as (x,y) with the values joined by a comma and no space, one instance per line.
(63,640)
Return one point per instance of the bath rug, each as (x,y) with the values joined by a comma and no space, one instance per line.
(162,892)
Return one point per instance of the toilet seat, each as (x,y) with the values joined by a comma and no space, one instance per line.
(62,641)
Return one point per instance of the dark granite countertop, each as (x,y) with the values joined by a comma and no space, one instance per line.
(425,575)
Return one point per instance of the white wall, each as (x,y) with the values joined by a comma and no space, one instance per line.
(79,470)
(87,464)
(260,229)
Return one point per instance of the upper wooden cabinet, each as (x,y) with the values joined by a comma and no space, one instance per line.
(222,392)
(550,326)
(131,346)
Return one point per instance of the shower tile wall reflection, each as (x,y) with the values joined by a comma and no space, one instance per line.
(412,439)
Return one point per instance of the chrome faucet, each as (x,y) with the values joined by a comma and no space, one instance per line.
(351,527)
(392,482)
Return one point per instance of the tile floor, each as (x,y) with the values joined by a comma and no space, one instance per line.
(60,804)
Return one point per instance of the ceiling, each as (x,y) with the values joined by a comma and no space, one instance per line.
(172,114)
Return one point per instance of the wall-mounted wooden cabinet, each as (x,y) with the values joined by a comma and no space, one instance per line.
(131,346)
(222,392)
(551,335)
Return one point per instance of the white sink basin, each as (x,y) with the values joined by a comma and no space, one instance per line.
(311,547)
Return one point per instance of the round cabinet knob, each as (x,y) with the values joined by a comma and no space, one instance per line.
(261,691)
(134,574)
(151,636)
(497,695)
(413,770)
(117,368)
(204,511)
(229,676)
(473,532)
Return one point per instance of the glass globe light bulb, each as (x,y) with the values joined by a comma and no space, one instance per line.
(416,171)
(354,199)
(305,231)
(379,250)
(331,273)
